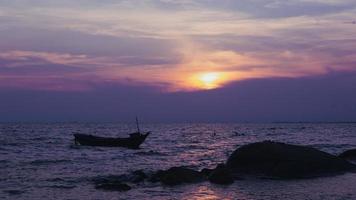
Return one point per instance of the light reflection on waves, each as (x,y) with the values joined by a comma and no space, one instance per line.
(204,193)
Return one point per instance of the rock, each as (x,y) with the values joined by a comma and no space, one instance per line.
(155,177)
(206,172)
(116,183)
(279,160)
(113,186)
(221,175)
(349,154)
(137,176)
(176,176)
(109,178)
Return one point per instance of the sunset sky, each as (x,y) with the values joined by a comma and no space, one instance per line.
(188,60)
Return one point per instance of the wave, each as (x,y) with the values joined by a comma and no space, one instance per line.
(60,186)
(328,145)
(5,143)
(40,138)
(150,153)
(46,162)
(14,192)
(56,180)
(4,162)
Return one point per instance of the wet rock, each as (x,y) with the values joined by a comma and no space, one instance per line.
(349,154)
(137,176)
(118,183)
(221,175)
(113,186)
(206,172)
(176,176)
(279,160)
(107,179)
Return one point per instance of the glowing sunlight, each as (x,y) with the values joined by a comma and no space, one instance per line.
(209,80)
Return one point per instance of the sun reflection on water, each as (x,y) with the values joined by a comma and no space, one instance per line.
(203,193)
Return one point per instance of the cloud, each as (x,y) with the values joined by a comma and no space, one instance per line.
(328,97)
(172,43)
(64,59)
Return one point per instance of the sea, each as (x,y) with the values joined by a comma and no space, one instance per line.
(40,160)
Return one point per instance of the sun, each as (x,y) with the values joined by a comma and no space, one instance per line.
(206,80)
(209,80)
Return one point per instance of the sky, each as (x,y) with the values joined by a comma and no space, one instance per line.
(178,61)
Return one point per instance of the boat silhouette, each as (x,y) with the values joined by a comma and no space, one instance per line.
(132,142)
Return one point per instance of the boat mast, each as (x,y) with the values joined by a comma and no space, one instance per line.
(138,128)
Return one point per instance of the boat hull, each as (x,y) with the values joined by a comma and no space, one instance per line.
(91,140)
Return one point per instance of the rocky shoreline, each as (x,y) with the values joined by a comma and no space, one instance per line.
(265,159)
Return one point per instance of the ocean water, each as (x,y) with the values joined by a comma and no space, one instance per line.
(40,161)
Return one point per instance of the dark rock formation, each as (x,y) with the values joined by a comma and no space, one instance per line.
(206,172)
(118,183)
(113,186)
(176,176)
(221,175)
(137,176)
(279,160)
(349,154)
(266,159)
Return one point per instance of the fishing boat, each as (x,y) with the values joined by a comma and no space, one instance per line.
(132,142)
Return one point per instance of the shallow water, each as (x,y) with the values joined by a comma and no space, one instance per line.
(40,161)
